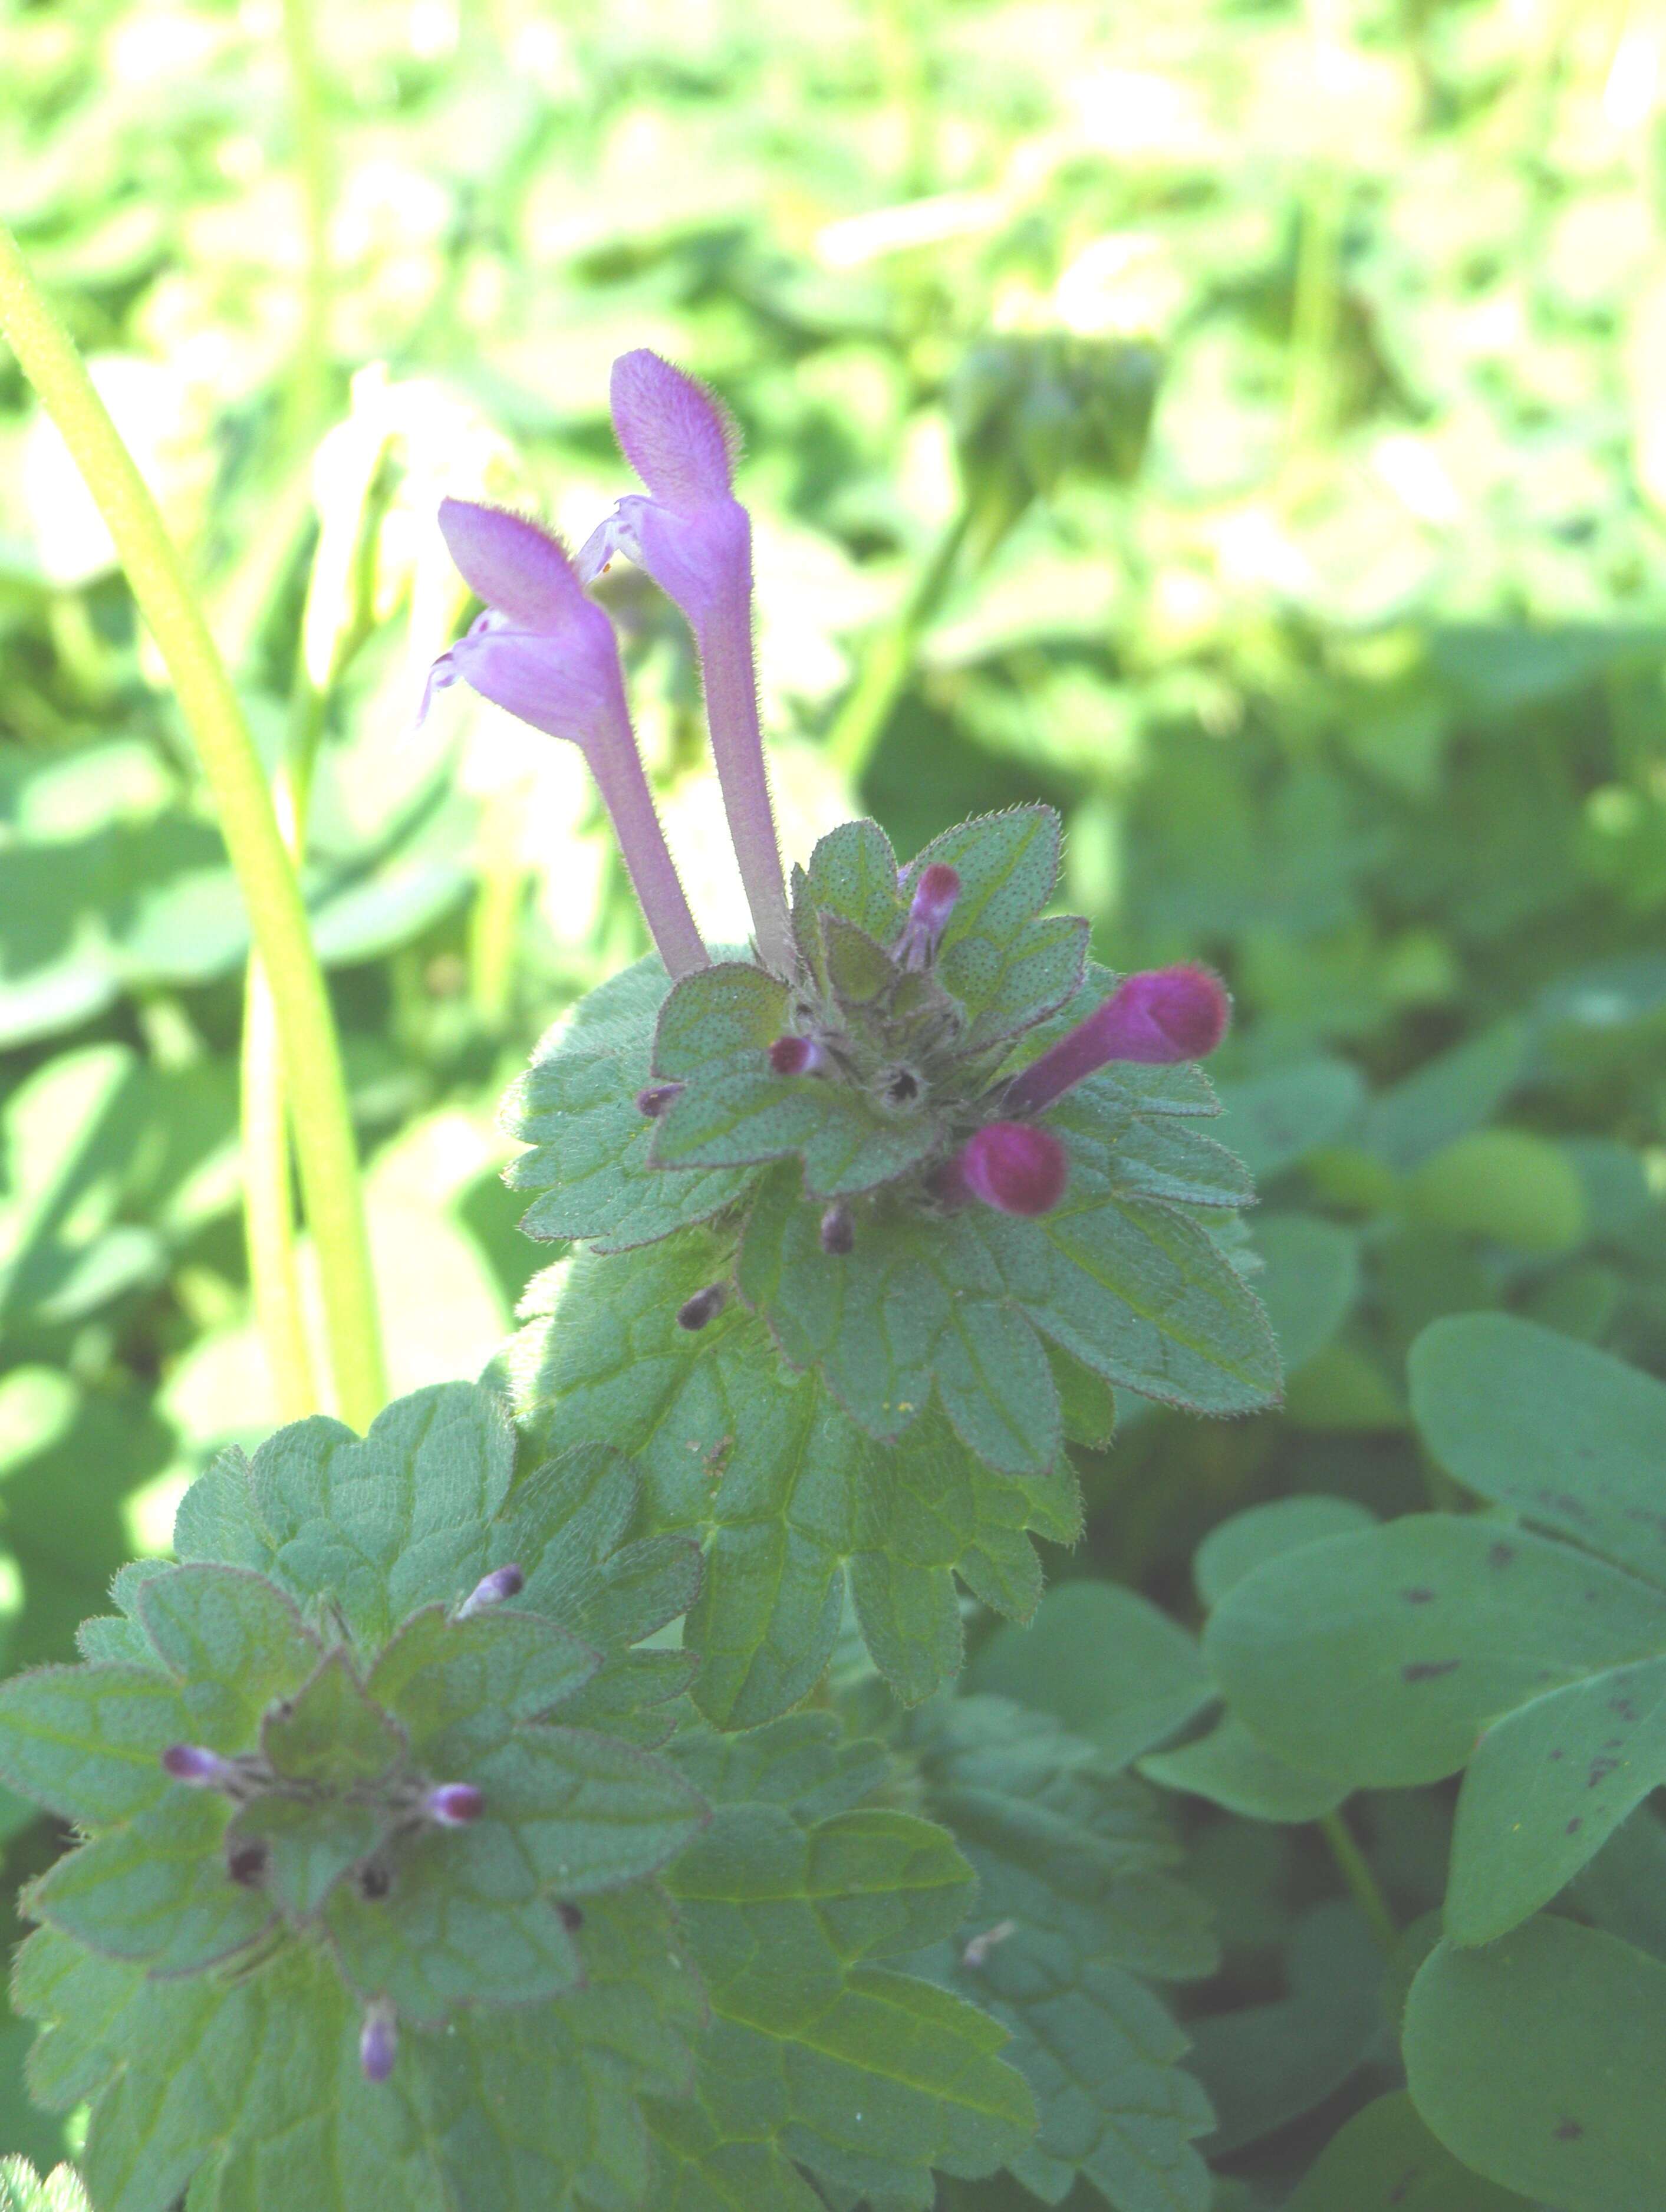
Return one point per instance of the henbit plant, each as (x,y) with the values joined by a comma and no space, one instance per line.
(873,1218)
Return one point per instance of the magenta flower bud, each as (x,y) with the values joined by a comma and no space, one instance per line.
(653,1101)
(454,1804)
(695,540)
(838,1232)
(929,910)
(1156,1018)
(1012,1166)
(379,2041)
(492,1589)
(797,1056)
(705,1305)
(546,653)
(200,1768)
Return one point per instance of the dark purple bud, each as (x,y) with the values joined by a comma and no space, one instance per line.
(454,1804)
(1012,1166)
(653,1101)
(839,1231)
(929,910)
(246,1865)
(1156,1017)
(797,1056)
(492,1589)
(703,1306)
(202,1770)
(379,2041)
(572,1919)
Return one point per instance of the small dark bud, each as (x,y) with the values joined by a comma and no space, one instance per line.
(797,1056)
(929,910)
(201,1769)
(839,1231)
(454,1804)
(379,2041)
(703,1306)
(246,1865)
(492,1589)
(375,1881)
(571,1918)
(653,1101)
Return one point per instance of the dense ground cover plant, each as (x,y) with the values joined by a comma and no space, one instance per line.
(1270,484)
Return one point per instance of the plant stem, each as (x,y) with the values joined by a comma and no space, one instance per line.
(1363,1885)
(888,662)
(309,388)
(277,917)
(269,1223)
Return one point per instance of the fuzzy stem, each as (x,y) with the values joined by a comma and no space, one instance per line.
(1363,1885)
(277,917)
(725,641)
(618,768)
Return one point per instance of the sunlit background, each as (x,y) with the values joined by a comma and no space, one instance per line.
(1244,425)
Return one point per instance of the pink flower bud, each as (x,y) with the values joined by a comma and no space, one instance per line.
(379,2041)
(199,1769)
(454,1804)
(492,1589)
(705,1305)
(1012,1166)
(797,1056)
(838,1232)
(1156,1018)
(653,1101)
(933,901)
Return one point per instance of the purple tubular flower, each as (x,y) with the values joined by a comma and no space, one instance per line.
(379,2041)
(200,1768)
(653,1101)
(454,1804)
(933,901)
(1160,1016)
(695,540)
(546,653)
(491,1589)
(797,1056)
(1012,1166)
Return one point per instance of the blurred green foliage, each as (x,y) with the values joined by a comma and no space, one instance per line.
(1241,424)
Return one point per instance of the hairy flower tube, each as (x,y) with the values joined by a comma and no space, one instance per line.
(695,540)
(547,654)
(1159,1017)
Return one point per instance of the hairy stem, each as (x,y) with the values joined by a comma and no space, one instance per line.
(277,918)
(1363,1885)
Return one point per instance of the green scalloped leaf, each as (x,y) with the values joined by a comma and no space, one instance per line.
(867,2076)
(917,1305)
(139,1891)
(853,872)
(576,1107)
(1075,1899)
(256,2083)
(783,1490)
